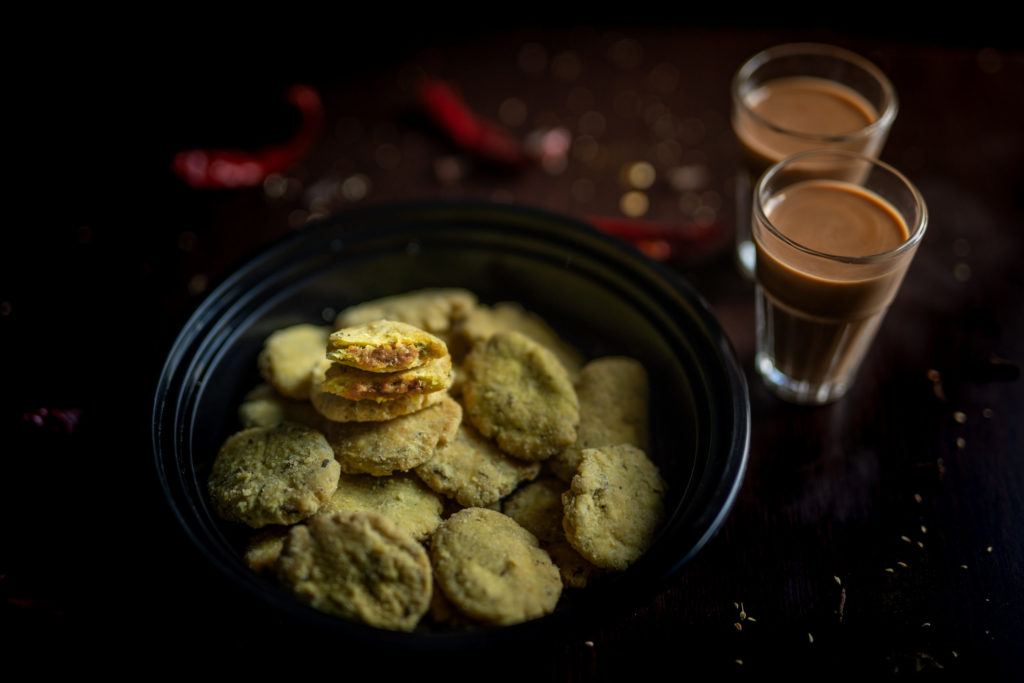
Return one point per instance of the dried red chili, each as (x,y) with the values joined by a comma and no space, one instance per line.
(229,168)
(475,134)
(661,241)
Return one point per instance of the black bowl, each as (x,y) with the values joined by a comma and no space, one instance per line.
(599,293)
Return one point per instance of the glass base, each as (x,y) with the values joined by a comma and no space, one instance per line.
(796,391)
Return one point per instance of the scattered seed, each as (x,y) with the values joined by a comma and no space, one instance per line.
(740,662)
(751,619)
(988,549)
(920,544)
(738,626)
(903,564)
(810,638)
(917,498)
(588,643)
(926,624)
(963,566)
(889,569)
(961,442)
(924,529)
(906,539)
(960,416)
(837,580)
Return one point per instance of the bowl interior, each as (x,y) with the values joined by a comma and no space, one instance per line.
(600,295)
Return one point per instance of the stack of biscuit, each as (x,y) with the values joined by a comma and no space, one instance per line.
(435,443)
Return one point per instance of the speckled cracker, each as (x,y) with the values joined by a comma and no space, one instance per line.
(384,346)
(338,409)
(398,444)
(264,548)
(358,565)
(288,355)
(264,407)
(519,394)
(614,505)
(614,408)
(537,507)
(354,384)
(473,471)
(430,309)
(273,475)
(402,498)
(492,569)
(483,322)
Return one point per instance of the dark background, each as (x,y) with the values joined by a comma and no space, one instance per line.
(109,252)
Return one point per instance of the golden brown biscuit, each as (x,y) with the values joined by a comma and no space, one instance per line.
(518,393)
(288,355)
(398,444)
(273,475)
(384,346)
(430,309)
(614,505)
(483,322)
(264,407)
(493,570)
(338,409)
(356,385)
(614,408)
(403,498)
(264,548)
(358,565)
(473,471)
(537,507)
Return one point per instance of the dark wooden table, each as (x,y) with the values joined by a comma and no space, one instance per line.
(880,535)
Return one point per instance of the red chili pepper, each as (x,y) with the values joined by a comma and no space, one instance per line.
(662,241)
(475,134)
(228,168)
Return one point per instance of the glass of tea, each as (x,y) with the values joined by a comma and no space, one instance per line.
(834,233)
(799,97)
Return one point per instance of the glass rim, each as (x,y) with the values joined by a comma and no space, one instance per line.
(885,116)
(916,230)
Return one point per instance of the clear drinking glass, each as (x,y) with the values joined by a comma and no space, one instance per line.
(798,97)
(835,232)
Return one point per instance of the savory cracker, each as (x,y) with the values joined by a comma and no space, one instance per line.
(483,322)
(288,355)
(473,471)
(403,498)
(339,409)
(537,507)
(358,565)
(518,393)
(384,346)
(614,408)
(431,309)
(492,569)
(614,505)
(356,385)
(264,548)
(273,475)
(265,407)
(399,444)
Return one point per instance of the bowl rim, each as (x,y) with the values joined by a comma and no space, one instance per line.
(654,572)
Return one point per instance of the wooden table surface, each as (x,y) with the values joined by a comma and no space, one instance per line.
(880,535)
